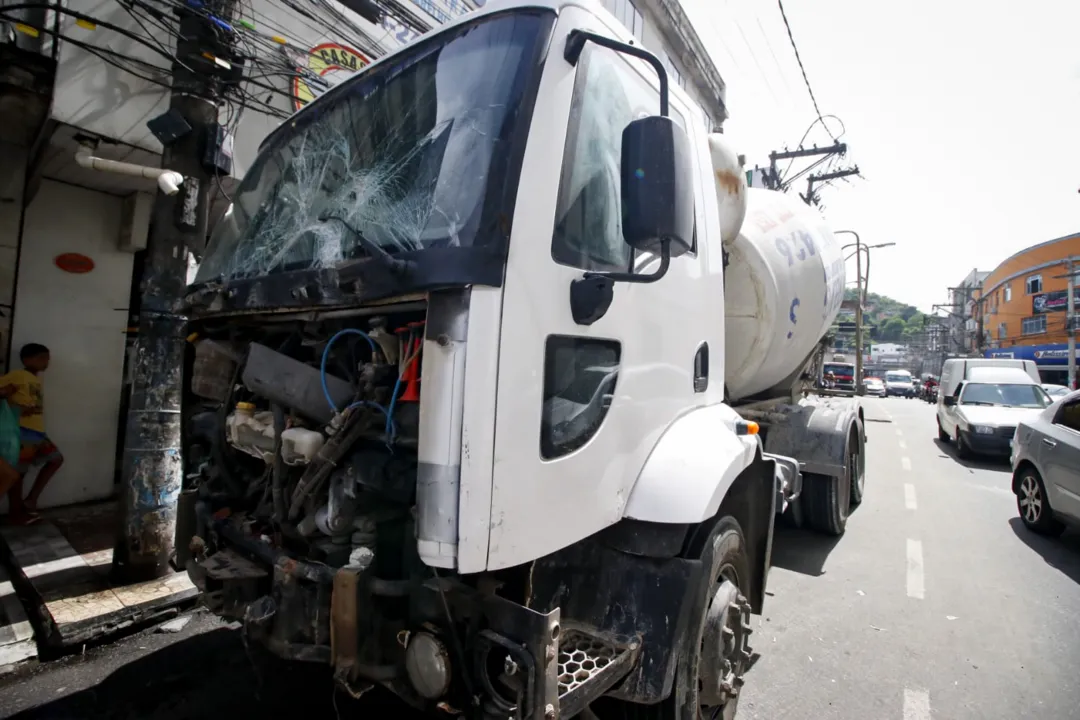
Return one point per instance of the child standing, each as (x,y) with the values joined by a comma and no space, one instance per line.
(23,390)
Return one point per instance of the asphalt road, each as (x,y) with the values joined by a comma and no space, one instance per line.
(936,603)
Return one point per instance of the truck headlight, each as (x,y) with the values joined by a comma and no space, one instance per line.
(983,429)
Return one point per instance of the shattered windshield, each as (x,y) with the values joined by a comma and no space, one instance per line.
(410,156)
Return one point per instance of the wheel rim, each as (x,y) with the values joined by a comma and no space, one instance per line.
(725,650)
(1030,499)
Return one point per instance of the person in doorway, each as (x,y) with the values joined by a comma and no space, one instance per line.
(23,390)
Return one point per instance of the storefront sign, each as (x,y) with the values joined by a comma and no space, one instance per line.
(1054,354)
(323,67)
(74,263)
(1056,301)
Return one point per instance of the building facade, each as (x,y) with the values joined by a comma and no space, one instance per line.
(962,328)
(86,80)
(1021,309)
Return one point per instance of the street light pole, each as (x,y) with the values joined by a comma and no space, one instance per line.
(859,389)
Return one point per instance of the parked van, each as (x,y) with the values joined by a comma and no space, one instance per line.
(955,371)
(980,404)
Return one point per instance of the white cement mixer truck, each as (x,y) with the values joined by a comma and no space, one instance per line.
(496,382)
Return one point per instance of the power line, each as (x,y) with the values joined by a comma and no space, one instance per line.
(802,67)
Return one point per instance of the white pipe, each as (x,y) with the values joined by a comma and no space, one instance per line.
(168,180)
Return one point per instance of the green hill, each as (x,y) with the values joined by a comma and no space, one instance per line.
(894,321)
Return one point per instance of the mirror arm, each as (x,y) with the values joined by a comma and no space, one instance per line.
(665,263)
(575,45)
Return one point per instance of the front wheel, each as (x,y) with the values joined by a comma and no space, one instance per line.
(941,434)
(962,450)
(717,653)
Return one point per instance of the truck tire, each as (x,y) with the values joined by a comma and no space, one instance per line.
(826,501)
(856,467)
(720,619)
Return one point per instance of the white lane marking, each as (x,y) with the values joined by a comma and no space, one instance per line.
(905,462)
(903,444)
(916,587)
(909,497)
(916,705)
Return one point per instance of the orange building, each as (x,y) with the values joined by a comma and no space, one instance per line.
(1020,311)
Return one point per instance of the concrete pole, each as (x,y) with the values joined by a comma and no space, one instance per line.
(152,470)
(1070,326)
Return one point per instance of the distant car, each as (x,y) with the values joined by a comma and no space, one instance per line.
(875,387)
(899,383)
(1046,467)
(1055,391)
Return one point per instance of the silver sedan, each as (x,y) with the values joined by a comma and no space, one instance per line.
(1046,467)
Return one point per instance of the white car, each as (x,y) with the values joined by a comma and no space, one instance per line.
(982,413)
(874,387)
(900,383)
(1055,391)
(1046,467)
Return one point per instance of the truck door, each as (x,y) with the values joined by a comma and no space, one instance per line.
(579,407)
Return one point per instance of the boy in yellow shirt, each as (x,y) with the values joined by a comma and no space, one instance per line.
(23,390)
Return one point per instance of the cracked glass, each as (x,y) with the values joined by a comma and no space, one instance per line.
(409,155)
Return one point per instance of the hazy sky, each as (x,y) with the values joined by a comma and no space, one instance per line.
(964,117)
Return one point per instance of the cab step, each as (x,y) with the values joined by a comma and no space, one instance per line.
(589,666)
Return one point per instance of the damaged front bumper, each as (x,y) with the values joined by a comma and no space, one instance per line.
(439,644)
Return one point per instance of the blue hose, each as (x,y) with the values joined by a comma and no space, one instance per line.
(391,430)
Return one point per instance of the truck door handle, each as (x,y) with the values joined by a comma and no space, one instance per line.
(1049,443)
(701,368)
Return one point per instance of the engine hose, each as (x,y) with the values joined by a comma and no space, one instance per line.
(277,481)
(312,572)
(326,460)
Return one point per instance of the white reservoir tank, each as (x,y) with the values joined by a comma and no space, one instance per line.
(783,288)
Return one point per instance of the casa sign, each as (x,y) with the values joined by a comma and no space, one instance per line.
(332,63)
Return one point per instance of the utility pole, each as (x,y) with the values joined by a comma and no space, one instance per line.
(859,387)
(152,469)
(810,198)
(773,177)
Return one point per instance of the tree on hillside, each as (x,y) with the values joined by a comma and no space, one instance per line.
(908,312)
(892,330)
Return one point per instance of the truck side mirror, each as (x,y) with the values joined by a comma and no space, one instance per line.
(657,187)
(950,400)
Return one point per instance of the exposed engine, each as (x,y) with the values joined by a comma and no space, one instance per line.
(301,443)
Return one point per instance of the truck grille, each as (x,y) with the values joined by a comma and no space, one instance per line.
(1006,431)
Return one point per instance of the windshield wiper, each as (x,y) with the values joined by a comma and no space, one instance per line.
(977,402)
(397,266)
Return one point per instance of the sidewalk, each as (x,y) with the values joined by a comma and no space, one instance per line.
(66,558)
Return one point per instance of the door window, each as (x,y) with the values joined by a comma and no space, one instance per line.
(1069,416)
(608,95)
(579,382)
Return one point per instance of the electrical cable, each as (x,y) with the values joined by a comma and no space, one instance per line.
(802,67)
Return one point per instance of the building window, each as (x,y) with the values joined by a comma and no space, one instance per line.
(1002,331)
(1033,325)
(1034,284)
(674,76)
(625,12)
(608,95)
(1008,293)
